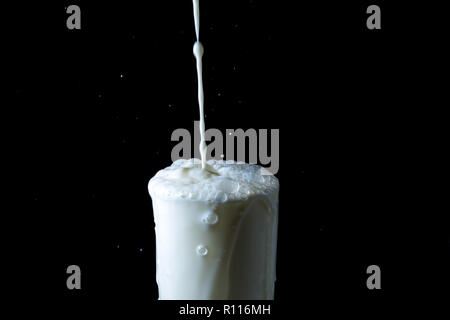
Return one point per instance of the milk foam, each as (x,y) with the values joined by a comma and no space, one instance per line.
(220,181)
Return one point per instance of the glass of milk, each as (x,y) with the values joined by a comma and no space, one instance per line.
(216,231)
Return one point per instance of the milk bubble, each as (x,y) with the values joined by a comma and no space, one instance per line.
(202,250)
(210,218)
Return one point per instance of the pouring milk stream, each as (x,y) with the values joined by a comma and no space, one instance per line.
(198,53)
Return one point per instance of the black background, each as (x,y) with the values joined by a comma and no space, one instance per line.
(93,111)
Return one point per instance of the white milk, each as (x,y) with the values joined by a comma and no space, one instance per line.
(198,53)
(216,230)
(215,223)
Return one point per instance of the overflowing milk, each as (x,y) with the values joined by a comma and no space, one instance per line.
(215,222)
(216,230)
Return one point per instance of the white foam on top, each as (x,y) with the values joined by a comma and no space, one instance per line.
(220,181)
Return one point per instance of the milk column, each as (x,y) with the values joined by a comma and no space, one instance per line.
(216,230)
(198,53)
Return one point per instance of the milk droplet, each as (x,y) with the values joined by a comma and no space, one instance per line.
(198,49)
(210,218)
(202,250)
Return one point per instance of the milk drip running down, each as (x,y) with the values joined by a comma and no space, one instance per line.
(215,223)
